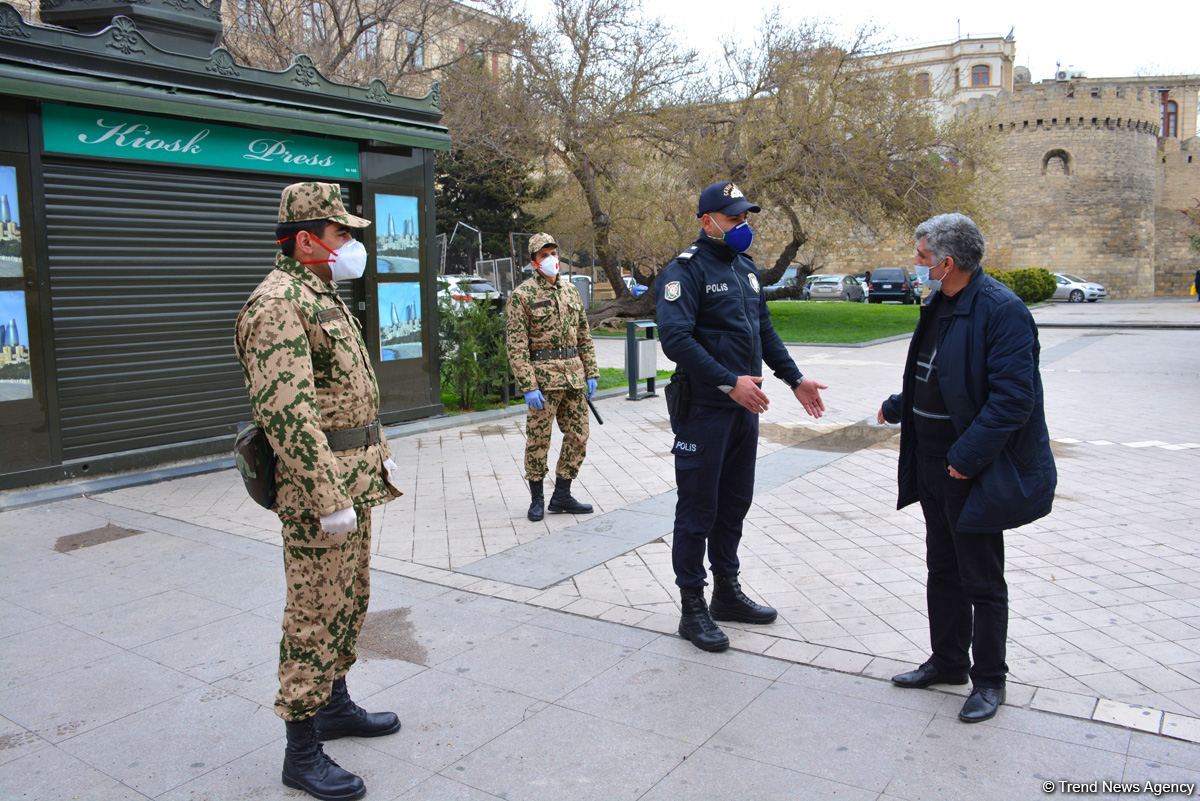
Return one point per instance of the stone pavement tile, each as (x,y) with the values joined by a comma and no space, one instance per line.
(735,661)
(987,762)
(53,775)
(1078,664)
(537,662)
(84,592)
(1143,771)
(445,716)
(709,774)
(439,788)
(1124,658)
(439,631)
(1055,727)
(1161,679)
(865,688)
(218,649)
(1128,715)
(152,618)
(147,546)
(1112,685)
(496,607)
(1181,727)
(83,698)
(647,691)
(594,629)
(176,741)
(562,754)
(32,655)
(1064,703)
(193,563)
(824,734)
(17,741)
(16,619)
(248,586)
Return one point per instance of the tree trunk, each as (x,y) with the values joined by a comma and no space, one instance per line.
(585,174)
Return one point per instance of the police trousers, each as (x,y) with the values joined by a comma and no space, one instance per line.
(966,594)
(715,452)
(327,593)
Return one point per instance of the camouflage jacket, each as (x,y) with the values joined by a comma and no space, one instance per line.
(307,371)
(542,316)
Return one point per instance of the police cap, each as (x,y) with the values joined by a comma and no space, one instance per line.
(725,197)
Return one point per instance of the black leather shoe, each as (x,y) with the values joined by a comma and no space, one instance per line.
(982,704)
(537,503)
(341,717)
(926,675)
(697,626)
(730,603)
(561,501)
(307,768)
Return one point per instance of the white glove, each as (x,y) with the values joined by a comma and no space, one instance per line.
(393,474)
(343,521)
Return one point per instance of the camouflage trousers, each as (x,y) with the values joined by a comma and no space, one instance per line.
(569,407)
(327,593)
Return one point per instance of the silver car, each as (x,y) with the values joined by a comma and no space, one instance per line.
(837,287)
(1076,290)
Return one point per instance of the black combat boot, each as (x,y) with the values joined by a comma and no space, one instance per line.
(696,625)
(307,768)
(561,500)
(730,603)
(537,502)
(341,717)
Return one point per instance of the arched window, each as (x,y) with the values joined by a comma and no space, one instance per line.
(921,87)
(1056,162)
(1170,119)
(981,75)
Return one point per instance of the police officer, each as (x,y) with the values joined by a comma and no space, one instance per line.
(554,363)
(314,394)
(714,324)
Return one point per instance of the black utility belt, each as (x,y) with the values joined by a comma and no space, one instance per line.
(348,439)
(558,353)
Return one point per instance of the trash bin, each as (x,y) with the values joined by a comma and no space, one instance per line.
(641,357)
(584,284)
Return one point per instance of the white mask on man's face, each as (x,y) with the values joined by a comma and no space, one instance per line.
(549,266)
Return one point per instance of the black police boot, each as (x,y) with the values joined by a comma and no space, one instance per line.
(561,500)
(537,502)
(696,625)
(341,717)
(730,603)
(307,768)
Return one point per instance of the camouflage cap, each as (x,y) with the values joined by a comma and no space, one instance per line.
(539,241)
(313,201)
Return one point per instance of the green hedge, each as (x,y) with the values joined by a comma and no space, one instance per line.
(1030,285)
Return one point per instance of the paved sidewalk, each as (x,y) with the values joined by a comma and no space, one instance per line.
(123,661)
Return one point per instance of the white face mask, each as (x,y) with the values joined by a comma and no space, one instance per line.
(549,266)
(349,261)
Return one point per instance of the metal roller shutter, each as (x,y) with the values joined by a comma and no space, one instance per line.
(148,270)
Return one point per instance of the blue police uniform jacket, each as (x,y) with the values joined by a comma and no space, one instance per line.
(714,324)
(987,355)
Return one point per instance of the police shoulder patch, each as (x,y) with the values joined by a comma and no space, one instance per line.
(753,279)
(672,291)
(687,254)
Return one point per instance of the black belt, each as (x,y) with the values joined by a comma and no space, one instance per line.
(547,355)
(348,439)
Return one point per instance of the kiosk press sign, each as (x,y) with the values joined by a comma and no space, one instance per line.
(109,134)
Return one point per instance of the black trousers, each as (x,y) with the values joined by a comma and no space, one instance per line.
(966,593)
(715,454)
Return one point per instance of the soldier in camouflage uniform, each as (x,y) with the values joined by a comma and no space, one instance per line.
(314,393)
(553,360)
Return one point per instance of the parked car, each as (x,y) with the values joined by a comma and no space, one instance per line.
(806,291)
(892,283)
(788,279)
(463,289)
(1076,290)
(837,287)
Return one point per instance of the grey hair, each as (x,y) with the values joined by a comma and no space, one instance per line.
(954,235)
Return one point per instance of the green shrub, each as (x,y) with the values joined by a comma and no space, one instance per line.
(1031,285)
(474,360)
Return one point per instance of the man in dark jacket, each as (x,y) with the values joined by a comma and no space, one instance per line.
(715,326)
(974,451)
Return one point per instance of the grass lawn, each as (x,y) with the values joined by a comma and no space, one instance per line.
(609,377)
(832,321)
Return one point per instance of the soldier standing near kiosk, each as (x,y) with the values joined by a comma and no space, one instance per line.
(315,396)
(714,324)
(554,363)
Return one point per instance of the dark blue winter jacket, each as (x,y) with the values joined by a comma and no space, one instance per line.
(987,356)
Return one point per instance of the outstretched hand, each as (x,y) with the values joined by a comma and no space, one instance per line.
(808,392)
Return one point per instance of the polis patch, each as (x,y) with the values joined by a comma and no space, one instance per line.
(672,291)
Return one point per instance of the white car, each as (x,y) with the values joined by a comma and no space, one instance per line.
(1076,290)
(463,289)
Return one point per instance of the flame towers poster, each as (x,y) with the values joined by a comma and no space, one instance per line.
(10,225)
(398,237)
(400,321)
(16,377)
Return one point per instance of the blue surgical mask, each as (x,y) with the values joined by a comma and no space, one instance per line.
(739,237)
